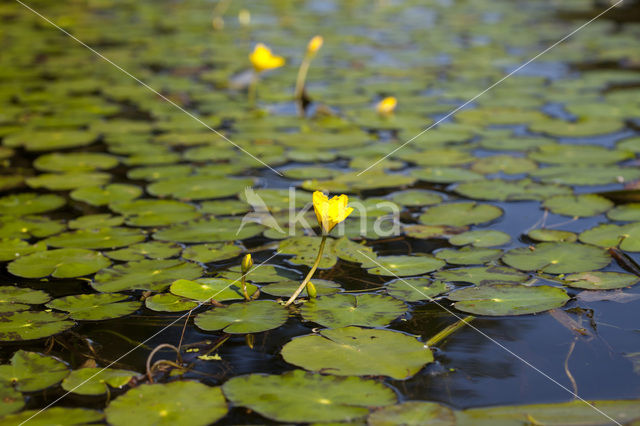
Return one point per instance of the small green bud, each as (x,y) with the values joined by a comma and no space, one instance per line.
(247,263)
(311,290)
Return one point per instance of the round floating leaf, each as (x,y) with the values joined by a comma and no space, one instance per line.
(549,235)
(600,280)
(503,163)
(513,190)
(13,248)
(150,250)
(210,230)
(103,238)
(339,310)
(469,255)
(205,253)
(300,397)
(413,413)
(586,175)
(31,371)
(508,299)
(480,238)
(68,181)
(94,381)
(583,205)
(286,288)
(197,187)
(224,207)
(204,289)
(28,226)
(578,154)
(75,162)
(482,275)
(445,174)
(18,298)
(16,326)
(171,404)
(51,140)
(403,266)
(54,416)
(301,173)
(59,263)
(415,289)
(243,317)
(98,196)
(164,302)
(416,198)
(154,275)
(426,232)
(626,237)
(306,249)
(145,213)
(350,182)
(625,213)
(359,352)
(29,203)
(460,214)
(95,307)
(10,401)
(557,258)
(94,221)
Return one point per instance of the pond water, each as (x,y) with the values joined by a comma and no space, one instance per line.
(125,208)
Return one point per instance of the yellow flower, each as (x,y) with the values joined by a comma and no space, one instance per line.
(247,263)
(314,44)
(262,58)
(330,212)
(387,105)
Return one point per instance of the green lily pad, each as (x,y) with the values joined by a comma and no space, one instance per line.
(508,299)
(586,175)
(373,179)
(10,182)
(426,232)
(415,289)
(264,274)
(460,214)
(103,238)
(101,196)
(300,397)
(146,213)
(583,205)
(29,203)
(29,226)
(404,266)
(95,221)
(18,298)
(210,230)
(445,174)
(480,238)
(11,249)
(557,258)
(166,302)
(31,371)
(626,237)
(600,280)
(153,173)
(197,187)
(205,253)
(59,263)
(168,404)
(96,381)
(578,154)
(625,213)
(10,400)
(301,173)
(68,181)
(359,352)
(413,413)
(469,255)
(437,157)
(548,235)
(340,310)
(481,275)
(75,162)
(275,199)
(204,289)
(50,140)
(95,307)
(512,190)
(286,288)
(141,251)
(416,198)
(153,275)
(513,143)
(54,416)
(224,207)
(17,326)
(305,251)
(243,317)
(503,163)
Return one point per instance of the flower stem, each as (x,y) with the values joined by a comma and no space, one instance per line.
(302,76)
(443,334)
(253,85)
(310,274)
(243,281)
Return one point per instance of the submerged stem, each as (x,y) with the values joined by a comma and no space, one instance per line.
(443,334)
(300,80)
(310,274)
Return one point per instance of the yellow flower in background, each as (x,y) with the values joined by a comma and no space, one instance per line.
(314,44)
(262,59)
(387,105)
(330,212)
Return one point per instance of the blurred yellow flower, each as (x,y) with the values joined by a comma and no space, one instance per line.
(315,44)
(387,105)
(262,59)
(330,212)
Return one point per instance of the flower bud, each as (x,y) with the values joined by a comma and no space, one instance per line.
(247,263)
(315,44)
(311,290)
(387,105)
